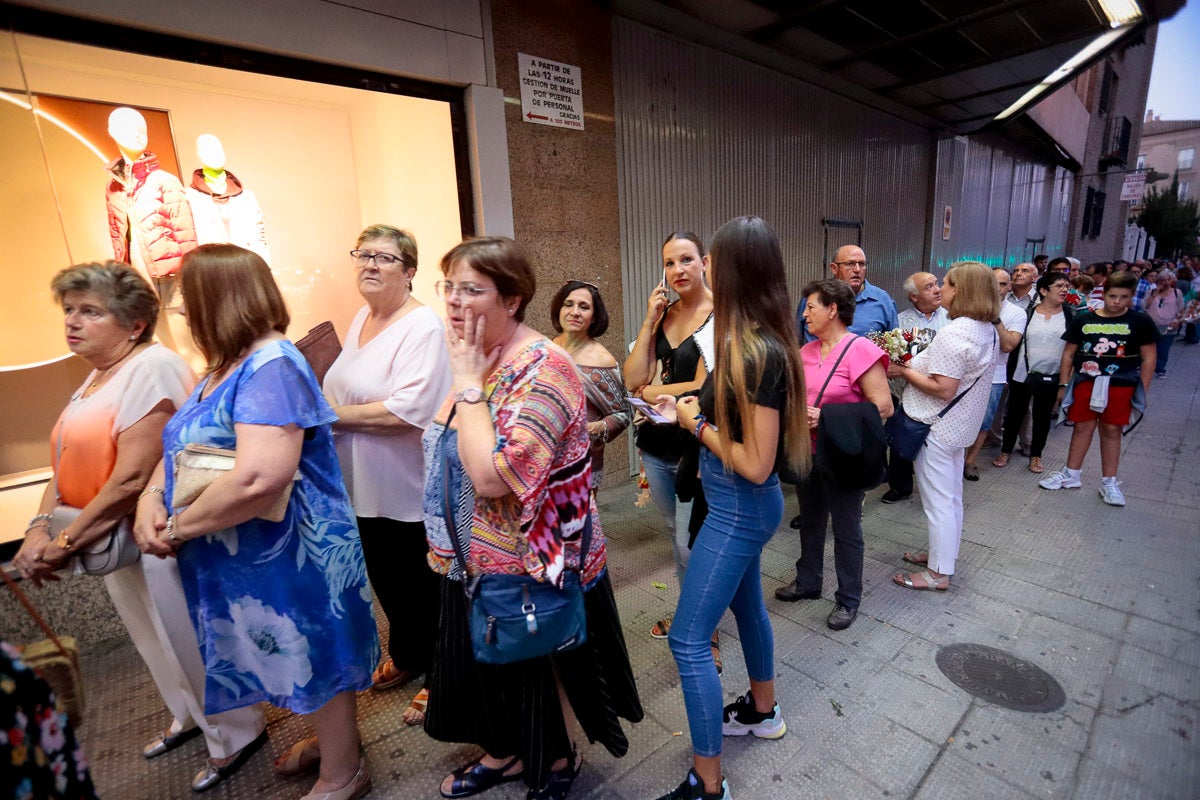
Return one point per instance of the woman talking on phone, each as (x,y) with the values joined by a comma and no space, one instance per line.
(672,355)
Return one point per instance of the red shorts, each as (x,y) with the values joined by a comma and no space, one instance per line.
(1120,404)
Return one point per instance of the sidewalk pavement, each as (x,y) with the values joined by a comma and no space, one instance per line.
(1104,599)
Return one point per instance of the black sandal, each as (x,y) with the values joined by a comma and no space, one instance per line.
(559,781)
(471,779)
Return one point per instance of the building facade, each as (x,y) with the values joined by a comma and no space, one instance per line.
(1169,148)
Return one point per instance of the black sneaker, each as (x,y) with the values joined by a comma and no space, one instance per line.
(892,496)
(692,788)
(741,717)
(791,592)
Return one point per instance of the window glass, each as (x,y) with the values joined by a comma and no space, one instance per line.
(1185,157)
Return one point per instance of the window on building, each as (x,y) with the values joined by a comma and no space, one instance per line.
(1093,213)
(1186,156)
(1108,89)
(1183,190)
(1141,162)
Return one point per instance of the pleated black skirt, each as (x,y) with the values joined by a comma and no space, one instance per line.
(514,709)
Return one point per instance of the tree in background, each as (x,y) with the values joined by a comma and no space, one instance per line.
(1174,223)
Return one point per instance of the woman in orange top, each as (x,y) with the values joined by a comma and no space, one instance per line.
(104,447)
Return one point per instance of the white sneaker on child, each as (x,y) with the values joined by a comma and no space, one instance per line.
(1061,479)
(1110,490)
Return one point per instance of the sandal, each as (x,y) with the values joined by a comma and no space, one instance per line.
(1035,465)
(928,581)
(386,676)
(558,783)
(662,628)
(971,472)
(920,558)
(303,757)
(415,713)
(471,779)
(1001,461)
(715,644)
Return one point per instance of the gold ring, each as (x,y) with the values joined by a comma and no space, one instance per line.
(37,557)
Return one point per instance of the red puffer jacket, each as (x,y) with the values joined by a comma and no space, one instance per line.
(149,219)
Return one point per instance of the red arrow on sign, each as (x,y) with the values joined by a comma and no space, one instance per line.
(532,115)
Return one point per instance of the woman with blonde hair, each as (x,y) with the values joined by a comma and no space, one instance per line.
(282,609)
(751,421)
(945,391)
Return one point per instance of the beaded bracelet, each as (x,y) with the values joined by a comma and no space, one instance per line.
(152,490)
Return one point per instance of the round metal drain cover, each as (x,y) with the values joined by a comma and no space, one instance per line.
(1000,678)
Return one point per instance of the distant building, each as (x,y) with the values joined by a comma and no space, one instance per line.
(1169,146)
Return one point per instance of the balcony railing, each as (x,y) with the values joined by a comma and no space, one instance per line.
(1115,149)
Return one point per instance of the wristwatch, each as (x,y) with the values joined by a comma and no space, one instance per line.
(996,321)
(470,395)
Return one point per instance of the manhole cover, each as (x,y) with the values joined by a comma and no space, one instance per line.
(1000,678)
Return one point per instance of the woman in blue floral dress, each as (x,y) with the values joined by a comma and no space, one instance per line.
(282,610)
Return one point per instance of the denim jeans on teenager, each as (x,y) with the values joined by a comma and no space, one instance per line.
(724,573)
(660,474)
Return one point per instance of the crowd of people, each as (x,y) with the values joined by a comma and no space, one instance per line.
(438,459)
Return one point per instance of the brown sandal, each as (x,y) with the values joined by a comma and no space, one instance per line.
(415,713)
(1035,465)
(1001,461)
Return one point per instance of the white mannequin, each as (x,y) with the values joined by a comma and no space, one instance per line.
(224,210)
(125,198)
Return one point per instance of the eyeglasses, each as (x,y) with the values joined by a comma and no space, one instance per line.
(468,291)
(361,258)
(862,264)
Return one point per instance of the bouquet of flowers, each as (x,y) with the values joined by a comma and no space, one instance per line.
(901,344)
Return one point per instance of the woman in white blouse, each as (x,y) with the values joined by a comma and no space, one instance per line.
(962,353)
(385,387)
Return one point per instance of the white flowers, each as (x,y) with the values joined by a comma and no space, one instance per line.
(267,645)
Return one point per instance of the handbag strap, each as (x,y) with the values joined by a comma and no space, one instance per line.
(33,612)
(846,349)
(459,555)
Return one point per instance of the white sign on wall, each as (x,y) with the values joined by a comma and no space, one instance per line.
(551,92)
(1133,186)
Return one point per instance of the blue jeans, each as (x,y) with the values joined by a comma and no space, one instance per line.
(724,573)
(993,404)
(660,474)
(1165,340)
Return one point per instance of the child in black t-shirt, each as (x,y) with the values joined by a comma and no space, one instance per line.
(1111,350)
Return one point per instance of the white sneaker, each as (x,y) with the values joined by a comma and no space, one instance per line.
(741,717)
(1111,492)
(1060,479)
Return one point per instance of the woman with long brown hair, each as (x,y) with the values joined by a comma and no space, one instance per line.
(751,421)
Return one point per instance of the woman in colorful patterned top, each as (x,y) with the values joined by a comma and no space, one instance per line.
(104,448)
(508,455)
(282,609)
(577,312)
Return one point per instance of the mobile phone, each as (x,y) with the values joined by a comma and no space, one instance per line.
(650,411)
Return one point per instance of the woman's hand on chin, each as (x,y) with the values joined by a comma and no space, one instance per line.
(468,362)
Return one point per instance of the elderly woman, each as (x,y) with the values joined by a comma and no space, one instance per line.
(672,355)
(1164,304)
(839,367)
(282,608)
(105,445)
(578,314)
(385,388)
(946,377)
(1033,368)
(507,457)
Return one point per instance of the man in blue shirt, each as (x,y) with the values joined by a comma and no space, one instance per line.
(873,309)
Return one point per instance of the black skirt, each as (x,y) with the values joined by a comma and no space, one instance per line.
(514,709)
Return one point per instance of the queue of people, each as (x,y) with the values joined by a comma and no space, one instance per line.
(439,456)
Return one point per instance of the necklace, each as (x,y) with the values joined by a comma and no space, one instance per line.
(102,375)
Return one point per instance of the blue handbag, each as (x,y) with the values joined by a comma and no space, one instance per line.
(515,617)
(906,436)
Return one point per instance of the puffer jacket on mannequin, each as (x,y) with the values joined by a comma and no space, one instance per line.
(149,219)
(232,216)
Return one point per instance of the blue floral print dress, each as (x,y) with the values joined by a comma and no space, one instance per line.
(282,610)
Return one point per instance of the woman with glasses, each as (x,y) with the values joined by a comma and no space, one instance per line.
(1033,369)
(508,476)
(578,314)
(385,388)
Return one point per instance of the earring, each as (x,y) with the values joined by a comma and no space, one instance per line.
(512,311)
(132,336)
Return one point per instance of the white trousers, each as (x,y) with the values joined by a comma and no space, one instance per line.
(149,598)
(939,473)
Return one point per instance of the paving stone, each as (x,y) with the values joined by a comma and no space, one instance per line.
(1165,640)
(954,778)
(1161,674)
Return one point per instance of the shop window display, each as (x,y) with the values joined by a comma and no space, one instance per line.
(287,168)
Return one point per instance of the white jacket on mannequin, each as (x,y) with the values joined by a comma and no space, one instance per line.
(232,217)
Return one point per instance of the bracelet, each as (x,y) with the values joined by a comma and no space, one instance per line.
(152,490)
(39,518)
(171,530)
(701,424)
(44,527)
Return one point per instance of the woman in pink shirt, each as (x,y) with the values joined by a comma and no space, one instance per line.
(839,367)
